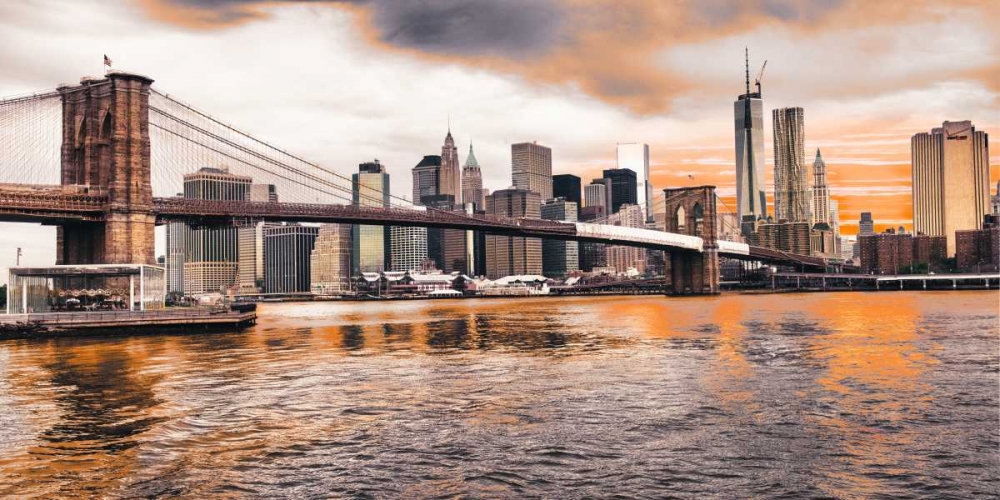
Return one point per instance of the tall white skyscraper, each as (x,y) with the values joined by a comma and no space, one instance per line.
(635,157)
(792,194)
(748,110)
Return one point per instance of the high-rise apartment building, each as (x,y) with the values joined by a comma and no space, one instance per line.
(472,182)
(792,196)
(426,177)
(287,251)
(330,260)
(451,170)
(211,255)
(408,248)
(370,188)
(624,188)
(567,187)
(748,110)
(635,157)
(866,226)
(951,175)
(978,250)
(531,168)
(560,257)
(510,255)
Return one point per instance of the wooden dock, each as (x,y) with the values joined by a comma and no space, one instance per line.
(177,320)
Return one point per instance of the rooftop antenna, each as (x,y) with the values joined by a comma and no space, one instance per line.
(747,49)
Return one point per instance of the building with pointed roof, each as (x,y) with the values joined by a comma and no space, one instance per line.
(821,193)
(472,182)
(451,175)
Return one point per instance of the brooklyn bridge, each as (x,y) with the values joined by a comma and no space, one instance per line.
(103,162)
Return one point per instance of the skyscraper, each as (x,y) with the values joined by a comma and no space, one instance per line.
(426,177)
(624,189)
(531,168)
(251,258)
(560,257)
(635,157)
(330,260)
(792,196)
(370,188)
(287,250)
(436,236)
(510,255)
(211,254)
(175,256)
(821,194)
(451,170)
(567,187)
(951,175)
(598,193)
(751,202)
(472,182)
(866,226)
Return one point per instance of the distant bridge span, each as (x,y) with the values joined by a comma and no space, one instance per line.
(62,204)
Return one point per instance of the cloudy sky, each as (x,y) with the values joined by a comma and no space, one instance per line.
(344,82)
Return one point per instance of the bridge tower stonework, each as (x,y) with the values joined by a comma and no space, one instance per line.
(692,211)
(105,149)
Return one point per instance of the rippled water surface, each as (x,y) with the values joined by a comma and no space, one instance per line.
(813,395)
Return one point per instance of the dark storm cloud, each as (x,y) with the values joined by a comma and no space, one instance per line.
(511,27)
(460,27)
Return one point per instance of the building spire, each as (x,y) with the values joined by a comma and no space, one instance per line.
(747,50)
(470,161)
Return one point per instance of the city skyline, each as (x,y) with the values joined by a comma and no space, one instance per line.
(867,154)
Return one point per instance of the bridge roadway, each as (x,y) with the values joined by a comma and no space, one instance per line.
(62,204)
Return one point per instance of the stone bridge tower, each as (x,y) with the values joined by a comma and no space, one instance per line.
(105,150)
(692,211)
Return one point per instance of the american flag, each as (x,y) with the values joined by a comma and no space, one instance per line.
(107,60)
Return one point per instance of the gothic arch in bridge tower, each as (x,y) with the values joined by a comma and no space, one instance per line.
(694,212)
(105,151)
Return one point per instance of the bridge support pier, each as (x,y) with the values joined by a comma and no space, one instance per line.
(692,211)
(693,273)
(105,146)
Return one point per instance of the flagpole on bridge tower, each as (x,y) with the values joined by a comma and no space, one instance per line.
(107,64)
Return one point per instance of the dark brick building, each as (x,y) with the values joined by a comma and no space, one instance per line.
(978,250)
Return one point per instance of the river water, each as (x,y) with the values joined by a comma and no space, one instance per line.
(846,395)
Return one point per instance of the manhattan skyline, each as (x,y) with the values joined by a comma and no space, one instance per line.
(342,84)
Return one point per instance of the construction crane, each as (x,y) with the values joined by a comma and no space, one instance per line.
(759,75)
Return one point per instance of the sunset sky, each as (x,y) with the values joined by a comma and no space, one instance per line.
(341,83)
